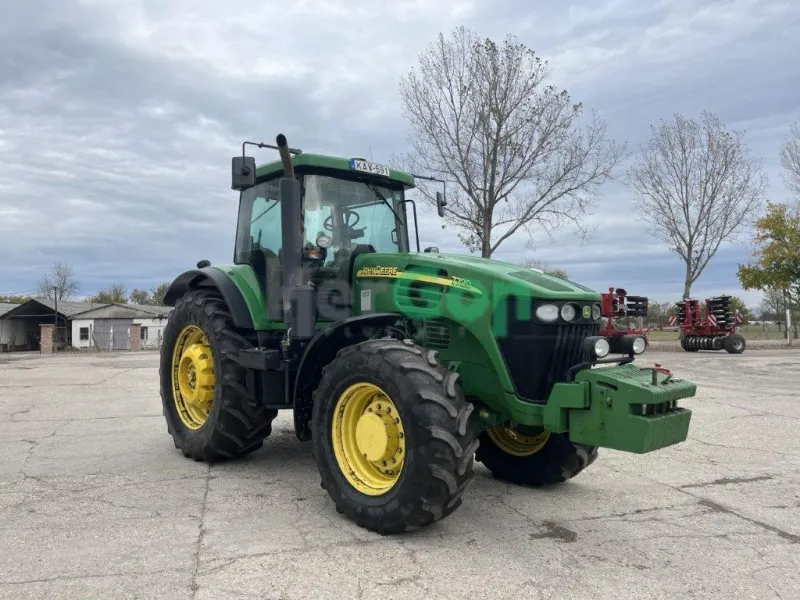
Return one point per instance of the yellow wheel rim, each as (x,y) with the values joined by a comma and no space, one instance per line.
(368,439)
(516,443)
(193,376)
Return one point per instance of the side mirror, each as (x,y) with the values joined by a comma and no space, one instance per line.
(243,172)
(432,249)
(440,203)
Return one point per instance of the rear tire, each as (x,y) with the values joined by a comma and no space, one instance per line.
(734,344)
(557,461)
(234,426)
(439,445)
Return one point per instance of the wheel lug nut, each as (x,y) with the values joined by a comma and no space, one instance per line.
(400,435)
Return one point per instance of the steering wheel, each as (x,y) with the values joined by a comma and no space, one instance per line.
(328,222)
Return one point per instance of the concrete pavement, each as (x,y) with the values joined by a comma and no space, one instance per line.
(95,502)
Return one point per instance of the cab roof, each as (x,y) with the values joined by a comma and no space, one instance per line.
(321,161)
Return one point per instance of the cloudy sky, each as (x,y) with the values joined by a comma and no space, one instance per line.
(118,118)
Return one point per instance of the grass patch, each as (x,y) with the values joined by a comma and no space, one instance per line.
(750,332)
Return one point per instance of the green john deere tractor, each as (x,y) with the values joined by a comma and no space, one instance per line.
(401,367)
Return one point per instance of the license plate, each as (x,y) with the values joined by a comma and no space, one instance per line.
(368,167)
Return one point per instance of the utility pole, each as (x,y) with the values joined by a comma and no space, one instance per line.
(55,319)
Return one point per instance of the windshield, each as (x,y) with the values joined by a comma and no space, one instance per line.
(353,213)
(350,212)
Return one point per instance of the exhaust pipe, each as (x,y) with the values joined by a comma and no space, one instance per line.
(299,300)
(286,158)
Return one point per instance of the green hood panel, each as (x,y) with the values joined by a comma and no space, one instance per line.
(489,272)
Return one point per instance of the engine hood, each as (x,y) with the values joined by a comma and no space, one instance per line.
(486,275)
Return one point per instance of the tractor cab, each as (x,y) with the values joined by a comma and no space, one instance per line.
(348,207)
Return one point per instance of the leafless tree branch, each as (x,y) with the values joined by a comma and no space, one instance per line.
(790,159)
(517,149)
(697,185)
(60,282)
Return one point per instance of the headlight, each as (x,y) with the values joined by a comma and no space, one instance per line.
(597,346)
(596,312)
(602,348)
(568,312)
(633,344)
(547,312)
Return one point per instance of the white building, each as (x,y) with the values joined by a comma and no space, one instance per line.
(107,327)
(80,324)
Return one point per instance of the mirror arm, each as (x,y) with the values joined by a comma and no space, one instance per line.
(263,145)
(416,228)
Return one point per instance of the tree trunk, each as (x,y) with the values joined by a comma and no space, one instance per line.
(687,282)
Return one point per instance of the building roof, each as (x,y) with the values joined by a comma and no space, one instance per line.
(84,310)
(68,308)
(123,311)
(7,306)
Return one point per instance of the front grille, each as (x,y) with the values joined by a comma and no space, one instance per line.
(538,355)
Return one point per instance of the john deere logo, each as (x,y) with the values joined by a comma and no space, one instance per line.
(587,312)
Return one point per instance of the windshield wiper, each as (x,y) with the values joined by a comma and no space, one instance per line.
(385,201)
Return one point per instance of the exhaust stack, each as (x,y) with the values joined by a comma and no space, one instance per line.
(299,300)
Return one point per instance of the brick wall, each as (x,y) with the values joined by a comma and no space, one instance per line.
(46,344)
(136,337)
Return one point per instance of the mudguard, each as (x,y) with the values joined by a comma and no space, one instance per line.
(212,278)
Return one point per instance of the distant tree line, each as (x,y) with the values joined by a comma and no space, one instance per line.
(60,283)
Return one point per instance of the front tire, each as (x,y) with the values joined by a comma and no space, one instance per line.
(532,460)
(203,391)
(391,436)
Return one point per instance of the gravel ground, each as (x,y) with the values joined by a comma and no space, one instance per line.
(95,502)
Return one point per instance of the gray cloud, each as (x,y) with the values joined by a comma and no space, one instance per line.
(118,119)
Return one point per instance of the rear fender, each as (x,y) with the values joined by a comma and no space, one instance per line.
(214,279)
(322,350)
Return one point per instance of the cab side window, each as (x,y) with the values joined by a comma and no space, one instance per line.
(259,225)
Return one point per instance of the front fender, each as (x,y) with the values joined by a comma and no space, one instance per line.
(214,279)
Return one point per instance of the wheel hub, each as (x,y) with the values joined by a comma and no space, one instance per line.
(369,440)
(196,376)
(377,435)
(193,376)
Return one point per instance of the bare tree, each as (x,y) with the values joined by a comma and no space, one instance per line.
(59,283)
(697,186)
(483,117)
(790,159)
(544,266)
